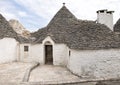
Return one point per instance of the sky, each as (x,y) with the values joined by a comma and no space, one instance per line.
(35,14)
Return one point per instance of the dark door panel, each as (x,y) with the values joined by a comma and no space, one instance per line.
(48,54)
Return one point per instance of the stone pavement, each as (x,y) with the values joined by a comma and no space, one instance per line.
(48,74)
(109,82)
(13,72)
(52,74)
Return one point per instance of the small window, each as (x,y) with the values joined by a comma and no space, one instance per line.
(26,49)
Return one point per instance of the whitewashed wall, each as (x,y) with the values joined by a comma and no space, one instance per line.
(24,56)
(8,50)
(36,53)
(61,54)
(95,63)
(105,18)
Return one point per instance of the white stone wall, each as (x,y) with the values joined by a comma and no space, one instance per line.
(100,64)
(8,50)
(61,54)
(36,53)
(105,18)
(24,56)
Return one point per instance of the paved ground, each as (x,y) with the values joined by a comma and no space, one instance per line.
(49,74)
(42,84)
(115,82)
(52,74)
(13,72)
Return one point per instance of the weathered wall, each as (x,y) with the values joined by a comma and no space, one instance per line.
(8,50)
(95,63)
(24,56)
(61,53)
(36,53)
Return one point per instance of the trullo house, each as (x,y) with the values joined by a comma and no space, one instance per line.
(87,48)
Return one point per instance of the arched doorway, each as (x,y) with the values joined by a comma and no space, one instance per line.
(48,53)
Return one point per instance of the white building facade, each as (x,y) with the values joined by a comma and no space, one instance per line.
(86,48)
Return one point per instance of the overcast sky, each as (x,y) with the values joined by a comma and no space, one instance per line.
(35,14)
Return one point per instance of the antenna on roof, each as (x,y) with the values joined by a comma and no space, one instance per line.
(63,4)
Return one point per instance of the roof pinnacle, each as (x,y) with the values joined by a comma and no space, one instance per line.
(63,4)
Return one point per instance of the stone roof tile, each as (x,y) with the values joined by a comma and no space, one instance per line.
(77,34)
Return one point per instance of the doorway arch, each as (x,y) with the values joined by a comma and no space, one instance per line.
(48,52)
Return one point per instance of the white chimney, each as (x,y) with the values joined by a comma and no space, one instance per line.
(105,17)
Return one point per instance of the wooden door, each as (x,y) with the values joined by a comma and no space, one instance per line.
(48,54)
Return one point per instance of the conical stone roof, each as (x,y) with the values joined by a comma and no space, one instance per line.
(62,17)
(77,34)
(117,26)
(7,31)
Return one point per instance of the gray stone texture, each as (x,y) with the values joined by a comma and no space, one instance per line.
(7,31)
(117,26)
(77,34)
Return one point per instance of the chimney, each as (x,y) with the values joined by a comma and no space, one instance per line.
(105,17)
